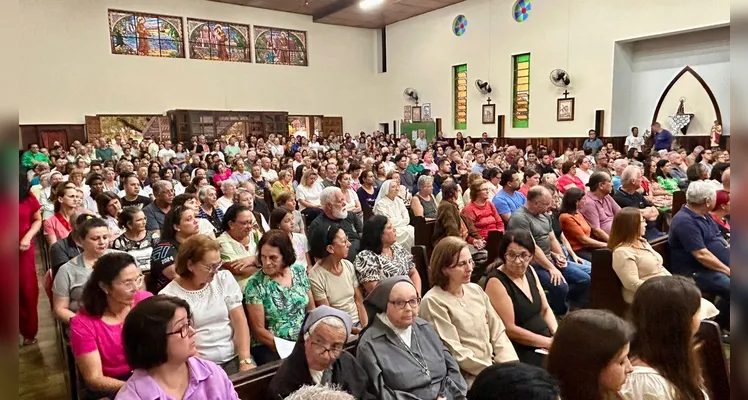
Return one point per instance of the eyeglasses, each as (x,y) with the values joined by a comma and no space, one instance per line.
(183,331)
(214,268)
(136,283)
(400,304)
(333,352)
(521,256)
(464,264)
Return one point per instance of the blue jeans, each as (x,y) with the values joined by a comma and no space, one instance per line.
(576,289)
(718,284)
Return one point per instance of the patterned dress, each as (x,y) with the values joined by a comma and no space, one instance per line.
(375,267)
(284,306)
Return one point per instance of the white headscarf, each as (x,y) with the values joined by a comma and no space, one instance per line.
(384,190)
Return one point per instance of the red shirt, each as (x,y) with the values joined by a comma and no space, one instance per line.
(485,218)
(565,180)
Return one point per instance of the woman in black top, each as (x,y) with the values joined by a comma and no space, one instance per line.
(179,225)
(518,298)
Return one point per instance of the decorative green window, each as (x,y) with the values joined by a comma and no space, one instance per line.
(460,89)
(521,88)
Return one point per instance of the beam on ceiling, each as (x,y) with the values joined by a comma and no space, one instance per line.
(333,8)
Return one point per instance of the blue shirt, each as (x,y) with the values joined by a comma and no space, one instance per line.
(663,140)
(616,182)
(478,168)
(690,232)
(595,145)
(506,203)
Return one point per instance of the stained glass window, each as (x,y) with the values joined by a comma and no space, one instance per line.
(280,46)
(460,89)
(213,40)
(521,88)
(140,34)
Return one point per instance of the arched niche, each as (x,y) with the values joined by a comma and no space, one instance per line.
(707,91)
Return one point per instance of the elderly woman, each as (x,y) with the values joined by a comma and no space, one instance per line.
(423,203)
(333,278)
(318,358)
(135,239)
(109,207)
(93,238)
(209,208)
(518,298)
(159,341)
(46,194)
(402,192)
(238,242)
(402,355)
(276,297)
(221,174)
(282,219)
(287,200)
(96,331)
(179,225)
(481,211)
(228,188)
(216,303)
(569,178)
(391,206)
(66,201)
(283,184)
(461,313)
(381,257)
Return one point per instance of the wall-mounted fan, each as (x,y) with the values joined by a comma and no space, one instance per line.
(410,94)
(483,87)
(560,78)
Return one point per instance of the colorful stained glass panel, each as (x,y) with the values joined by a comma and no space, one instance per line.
(280,46)
(141,34)
(521,89)
(223,41)
(460,90)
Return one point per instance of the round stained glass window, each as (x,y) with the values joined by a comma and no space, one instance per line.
(459,27)
(522,10)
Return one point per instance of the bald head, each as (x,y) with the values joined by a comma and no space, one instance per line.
(539,200)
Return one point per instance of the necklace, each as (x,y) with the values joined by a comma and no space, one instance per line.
(424,367)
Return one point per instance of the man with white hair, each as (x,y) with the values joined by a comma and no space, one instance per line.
(618,166)
(319,393)
(691,158)
(333,212)
(267,171)
(628,195)
(698,250)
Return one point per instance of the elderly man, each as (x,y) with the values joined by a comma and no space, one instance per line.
(549,262)
(267,171)
(33,156)
(698,250)
(333,212)
(629,195)
(319,359)
(691,158)
(599,207)
(618,166)
(331,173)
(675,170)
(163,195)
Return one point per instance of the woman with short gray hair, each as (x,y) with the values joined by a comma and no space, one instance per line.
(423,203)
(228,187)
(208,207)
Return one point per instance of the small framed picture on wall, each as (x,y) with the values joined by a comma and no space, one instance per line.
(415,112)
(489,113)
(565,109)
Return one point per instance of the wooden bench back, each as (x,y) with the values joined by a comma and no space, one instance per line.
(424,233)
(492,245)
(679,199)
(421,261)
(714,366)
(605,287)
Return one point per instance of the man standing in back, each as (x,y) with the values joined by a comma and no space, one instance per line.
(663,140)
(634,140)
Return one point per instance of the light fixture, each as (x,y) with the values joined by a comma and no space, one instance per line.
(369,4)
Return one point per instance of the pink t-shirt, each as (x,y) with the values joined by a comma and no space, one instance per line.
(88,334)
(565,180)
(53,226)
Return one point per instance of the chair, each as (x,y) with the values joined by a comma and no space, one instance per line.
(605,287)
(679,199)
(424,232)
(714,366)
(492,245)
(422,266)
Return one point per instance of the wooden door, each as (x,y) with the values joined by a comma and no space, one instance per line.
(93,127)
(334,124)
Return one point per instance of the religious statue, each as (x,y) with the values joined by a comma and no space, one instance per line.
(716,134)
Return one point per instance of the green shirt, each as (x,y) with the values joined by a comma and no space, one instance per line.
(105,154)
(415,169)
(669,184)
(284,307)
(231,150)
(28,158)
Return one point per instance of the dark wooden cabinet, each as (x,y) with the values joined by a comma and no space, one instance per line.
(221,124)
(334,124)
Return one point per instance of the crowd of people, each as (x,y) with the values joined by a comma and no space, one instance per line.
(174,267)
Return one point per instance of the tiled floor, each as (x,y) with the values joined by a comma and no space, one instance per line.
(41,366)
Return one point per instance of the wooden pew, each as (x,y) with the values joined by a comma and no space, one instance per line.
(424,233)
(269,199)
(714,366)
(421,261)
(492,245)
(605,287)
(679,199)
(368,212)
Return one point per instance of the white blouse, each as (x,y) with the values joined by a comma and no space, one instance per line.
(210,308)
(645,383)
(311,195)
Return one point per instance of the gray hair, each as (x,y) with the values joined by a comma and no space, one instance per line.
(326,197)
(202,194)
(332,321)
(424,180)
(318,392)
(239,192)
(620,163)
(537,192)
(160,186)
(699,192)
(628,174)
(698,149)
(225,184)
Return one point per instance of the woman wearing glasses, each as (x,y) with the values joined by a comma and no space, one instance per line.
(159,342)
(96,330)
(461,313)
(216,303)
(518,298)
(402,355)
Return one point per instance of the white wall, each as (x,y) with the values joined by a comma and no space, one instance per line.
(576,35)
(70,71)
(654,64)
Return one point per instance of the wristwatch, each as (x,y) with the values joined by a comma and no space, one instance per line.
(247,361)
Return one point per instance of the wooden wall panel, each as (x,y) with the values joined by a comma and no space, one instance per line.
(33,133)
(560,144)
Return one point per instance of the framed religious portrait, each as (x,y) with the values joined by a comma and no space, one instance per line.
(415,112)
(406,113)
(565,109)
(427,112)
(489,113)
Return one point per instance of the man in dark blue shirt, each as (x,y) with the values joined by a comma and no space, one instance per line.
(698,250)
(663,140)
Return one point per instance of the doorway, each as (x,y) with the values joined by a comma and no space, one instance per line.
(384,127)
